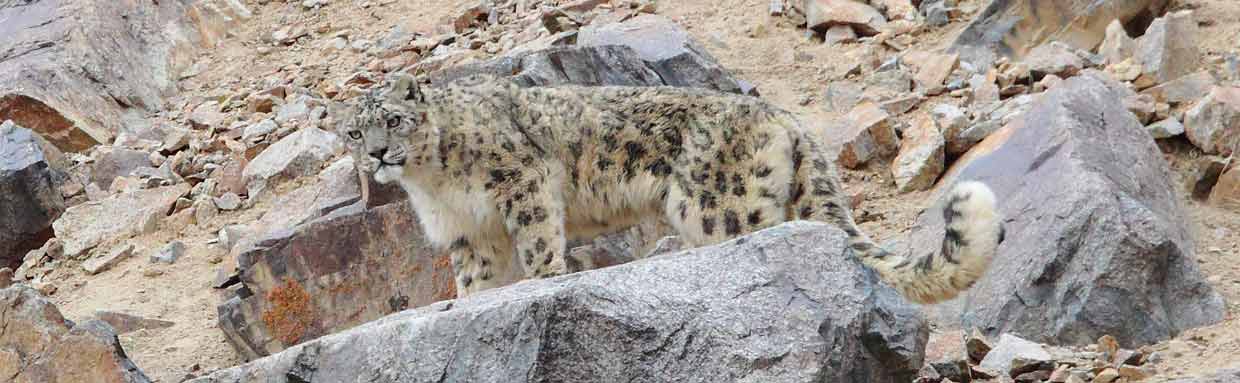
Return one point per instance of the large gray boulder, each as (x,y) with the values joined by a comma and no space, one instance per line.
(79,72)
(787,304)
(1012,28)
(29,197)
(37,344)
(648,50)
(1097,241)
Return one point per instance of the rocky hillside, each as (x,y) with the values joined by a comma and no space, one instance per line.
(175,204)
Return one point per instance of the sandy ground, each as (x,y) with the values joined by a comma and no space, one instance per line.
(788,69)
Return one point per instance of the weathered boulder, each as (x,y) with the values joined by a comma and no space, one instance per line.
(39,346)
(648,50)
(1097,241)
(785,304)
(1213,124)
(330,274)
(85,226)
(67,68)
(1011,28)
(298,154)
(30,198)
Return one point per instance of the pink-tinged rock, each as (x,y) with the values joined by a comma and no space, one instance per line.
(921,159)
(1213,124)
(87,225)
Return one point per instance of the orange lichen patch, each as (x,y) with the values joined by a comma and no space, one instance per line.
(290,315)
(443,277)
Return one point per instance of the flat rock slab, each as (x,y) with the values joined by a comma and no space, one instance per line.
(85,226)
(782,305)
(1097,242)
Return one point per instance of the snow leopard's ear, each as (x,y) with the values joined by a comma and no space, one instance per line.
(402,87)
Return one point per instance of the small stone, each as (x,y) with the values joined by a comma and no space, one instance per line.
(932,68)
(1107,376)
(1054,58)
(1226,193)
(1134,373)
(839,34)
(6,277)
(1010,348)
(223,279)
(228,201)
(1117,46)
(921,158)
(206,115)
(126,323)
(151,272)
(841,96)
(170,253)
(977,347)
(1209,168)
(1060,375)
(1166,128)
(1141,105)
(102,263)
(230,235)
(204,211)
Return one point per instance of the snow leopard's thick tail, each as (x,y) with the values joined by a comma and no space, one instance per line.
(973,231)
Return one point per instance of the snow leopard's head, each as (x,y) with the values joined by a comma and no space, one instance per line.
(379,126)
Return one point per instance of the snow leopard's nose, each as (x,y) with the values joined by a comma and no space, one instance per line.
(379,153)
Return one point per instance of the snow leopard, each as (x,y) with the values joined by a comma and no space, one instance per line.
(502,176)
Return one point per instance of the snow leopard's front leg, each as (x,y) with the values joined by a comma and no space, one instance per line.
(535,222)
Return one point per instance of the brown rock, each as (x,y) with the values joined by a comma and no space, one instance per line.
(207,115)
(864,19)
(262,103)
(921,158)
(40,346)
(1107,376)
(1226,192)
(932,68)
(1213,124)
(868,134)
(1209,168)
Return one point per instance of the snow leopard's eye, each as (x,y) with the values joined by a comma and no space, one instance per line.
(354,134)
(393,121)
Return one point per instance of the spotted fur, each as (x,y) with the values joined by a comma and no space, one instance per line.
(503,176)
